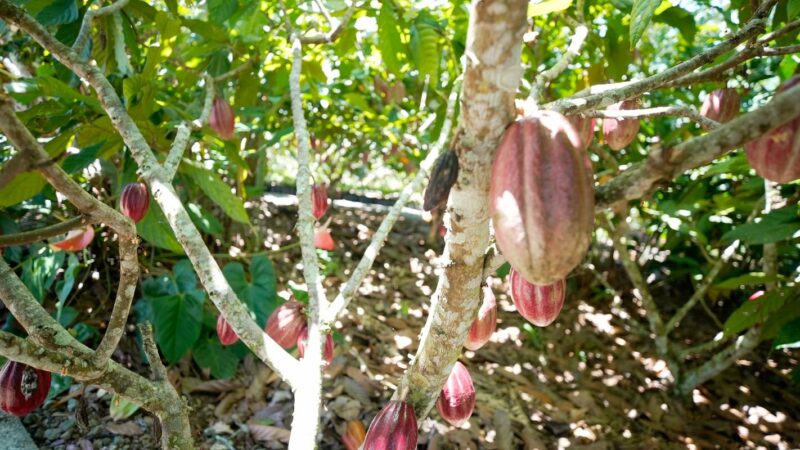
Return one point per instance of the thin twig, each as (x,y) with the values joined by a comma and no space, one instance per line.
(573,50)
(678,110)
(86,25)
(324,38)
(184,132)
(150,349)
(40,234)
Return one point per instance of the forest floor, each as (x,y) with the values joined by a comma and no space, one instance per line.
(591,380)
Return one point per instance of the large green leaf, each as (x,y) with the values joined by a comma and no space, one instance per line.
(221,361)
(425,50)
(389,41)
(154,229)
(789,336)
(752,312)
(22,187)
(681,19)
(641,14)
(220,10)
(58,12)
(776,226)
(259,292)
(177,322)
(218,191)
(39,271)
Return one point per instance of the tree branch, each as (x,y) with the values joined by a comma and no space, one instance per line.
(40,234)
(86,25)
(182,137)
(574,49)
(678,110)
(333,34)
(13,167)
(151,350)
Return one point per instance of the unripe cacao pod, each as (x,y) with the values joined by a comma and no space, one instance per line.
(221,119)
(319,200)
(541,197)
(443,176)
(457,399)
(776,154)
(286,323)
(353,435)
(539,304)
(76,240)
(394,428)
(225,332)
(134,201)
(618,133)
(327,353)
(22,388)
(484,325)
(584,126)
(721,105)
(323,239)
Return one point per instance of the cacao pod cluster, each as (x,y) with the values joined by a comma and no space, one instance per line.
(134,201)
(776,155)
(22,388)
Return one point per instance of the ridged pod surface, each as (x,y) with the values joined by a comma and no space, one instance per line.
(484,325)
(721,105)
(394,428)
(541,197)
(22,388)
(225,333)
(539,304)
(134,201)
(327,353)
(457,399)
(619,133)
(221,118)
(584,126)
(286,323)
(354,434)
(776,155)
(319,200)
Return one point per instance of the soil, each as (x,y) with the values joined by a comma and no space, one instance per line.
(591,380)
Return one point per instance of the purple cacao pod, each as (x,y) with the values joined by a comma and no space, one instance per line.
(776,154)
(134,201)
(584,126)
(286,323)
(327,353)
(721,105)
(394,428)
(319,200)
(619,133)
(484,325)
(541,197)
(221,119)
(457,399)
(22,388)
(225,333)
(539,304)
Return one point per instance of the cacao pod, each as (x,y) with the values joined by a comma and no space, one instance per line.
(539,304)
(221,119)
(327,353)
(323,239)
(457,399)
(76,240)
(619,133)
(584,126)
(353,435)
(319,200)
(443,176)
(22,388)
(484,325)
(394,428)
(286,323)
(721,105)
(134,201)
(541,197)
(225,332)
(776,154)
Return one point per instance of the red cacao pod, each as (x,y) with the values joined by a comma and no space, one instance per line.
(484,325)
(221,119)
(327,353)
(584,126)
(225,333)
(76,240)
(541,197)
(353,435)
(319,200)
(457,399)
(134,201)
(776,155)
(286,323)
(394,428)
(721,105)
(443,176)
(323,239)
(539,304)
(22,388)
(619,133)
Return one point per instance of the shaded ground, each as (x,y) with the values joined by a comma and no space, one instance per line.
(589,381)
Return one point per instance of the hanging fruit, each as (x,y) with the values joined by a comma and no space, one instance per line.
(134,201)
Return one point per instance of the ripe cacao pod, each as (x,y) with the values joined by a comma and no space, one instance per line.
(353,435)
(541,197)
(721,105)
(618,133)
(327,353)
(286,323)
(134,201)
(323,239)
(457,399)
(225,332)
(221,119)
(776,154)
(76,240)
(22,388)
(484,325)
(443,176)
(584,126)
(539,304)
(394,428)
(319,200)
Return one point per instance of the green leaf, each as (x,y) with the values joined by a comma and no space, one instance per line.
(792,9)
(221,10)
(641,14)
(752,312)
(542,7)
(425,50)
(154,229)
(185,278)
(750,279)
(681,19)
(259,293)
(789,336)
(221,361)
(776,226)
(178,320)
(218,191)
(82,159)
(58,12)
(389,42)
(121,408)
(39,272)
(22,187)
(205,221)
